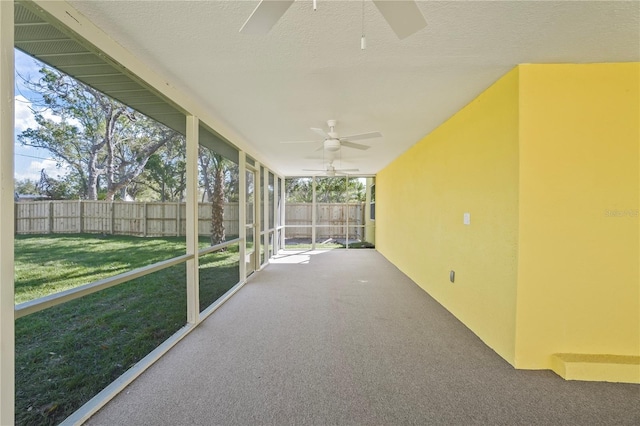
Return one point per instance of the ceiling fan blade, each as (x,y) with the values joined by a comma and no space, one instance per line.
(321,132)
(265,16)
(362,136)
(404,17)
(355,145)
(347,170)
(314,170)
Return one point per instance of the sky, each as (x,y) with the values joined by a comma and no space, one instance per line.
(29,161)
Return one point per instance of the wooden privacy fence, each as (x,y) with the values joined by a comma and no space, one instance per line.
(331,220)
(167,219)
(118,217)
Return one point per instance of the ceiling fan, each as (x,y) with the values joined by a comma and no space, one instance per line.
(331,171)
(404,17)
(333,142)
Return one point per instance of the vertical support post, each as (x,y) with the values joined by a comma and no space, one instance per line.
(144,219)
(314,213)
(346,190)
(164,219)
(276,218)
(283,195)
(7,326)
(193,285)
(257,227)
(242,214)
(265,214)
(178,208)
(112,218)
(81,216)
(50,214)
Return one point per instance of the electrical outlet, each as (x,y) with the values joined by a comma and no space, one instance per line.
(452,276)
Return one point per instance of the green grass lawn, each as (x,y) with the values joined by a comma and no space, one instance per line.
(67,354)
(47,264)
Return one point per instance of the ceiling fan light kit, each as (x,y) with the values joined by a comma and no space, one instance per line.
(331,145)
(332,142)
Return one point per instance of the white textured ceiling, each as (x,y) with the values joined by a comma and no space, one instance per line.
(309,68)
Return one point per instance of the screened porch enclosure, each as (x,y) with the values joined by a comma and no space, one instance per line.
(330,212)
(160,270)
(168,268)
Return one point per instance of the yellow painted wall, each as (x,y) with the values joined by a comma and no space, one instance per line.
(469,164)
(578,271)
(546,161)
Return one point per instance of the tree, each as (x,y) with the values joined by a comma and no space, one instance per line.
(103,141)
(55,189)
(328,190)
(165,172)
(298,190)
(25,186)
(231,182)
(212,169)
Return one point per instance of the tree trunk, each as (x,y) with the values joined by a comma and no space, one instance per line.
(92,180)
(217,206)
(110,142)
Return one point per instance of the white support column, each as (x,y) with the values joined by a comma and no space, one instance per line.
(7,326)
(283,192)
(314,213)
(193,279)
(257,227)
(276,218)
(242,214)
(265,214)
(346,241)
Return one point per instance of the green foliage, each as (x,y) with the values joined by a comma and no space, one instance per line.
(298,190)
(67,354)
(57,189)
(231,182)
(25,186)
(165,173)
(328,190)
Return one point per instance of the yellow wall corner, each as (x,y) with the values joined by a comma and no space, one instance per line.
(468,165)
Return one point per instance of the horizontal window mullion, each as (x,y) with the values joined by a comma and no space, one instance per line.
(219,246)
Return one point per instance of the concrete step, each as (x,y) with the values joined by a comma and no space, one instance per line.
(593,367)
